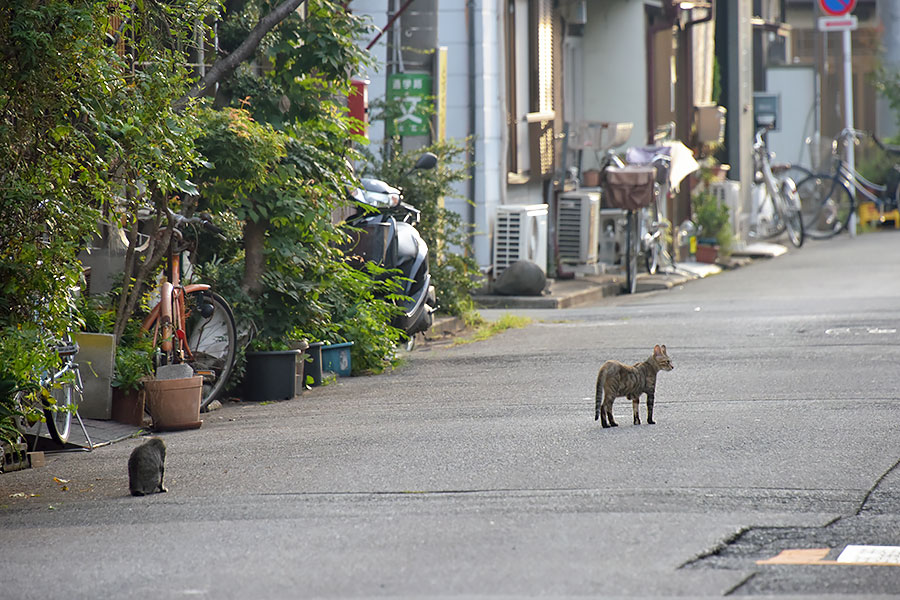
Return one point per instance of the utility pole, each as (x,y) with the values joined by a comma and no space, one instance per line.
(737,66)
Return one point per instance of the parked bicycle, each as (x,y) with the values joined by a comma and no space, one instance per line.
(778,209)
(632,188)
(830,199)
(654,226)
(56,395)
(191,324)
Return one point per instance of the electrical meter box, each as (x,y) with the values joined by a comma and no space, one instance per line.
(766,107)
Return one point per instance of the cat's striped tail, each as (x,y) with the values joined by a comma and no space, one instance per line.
(598,401)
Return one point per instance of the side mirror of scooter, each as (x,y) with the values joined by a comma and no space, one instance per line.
(426,161)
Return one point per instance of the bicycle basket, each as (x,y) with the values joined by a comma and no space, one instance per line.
(630,187)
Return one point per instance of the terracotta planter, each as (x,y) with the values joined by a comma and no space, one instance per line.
(175,403)
(707,254)
(591,178)
(128,406)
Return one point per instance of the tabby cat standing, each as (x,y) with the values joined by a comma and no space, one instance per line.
(616,379)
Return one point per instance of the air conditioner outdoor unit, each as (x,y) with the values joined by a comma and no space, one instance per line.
(729,193)
(520,233)
(578,227)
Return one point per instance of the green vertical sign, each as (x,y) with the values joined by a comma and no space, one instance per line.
(409,92)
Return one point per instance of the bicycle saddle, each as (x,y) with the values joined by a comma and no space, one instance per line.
(67,348)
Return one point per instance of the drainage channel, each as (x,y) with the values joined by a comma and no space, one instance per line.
(855,554)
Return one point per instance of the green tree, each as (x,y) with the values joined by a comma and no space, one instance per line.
(887,83)
(294,280)
(291,280)
(53,181)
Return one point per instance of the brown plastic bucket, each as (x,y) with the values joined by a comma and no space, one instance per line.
(175,403)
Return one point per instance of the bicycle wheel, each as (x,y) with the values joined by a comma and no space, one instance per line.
(21,412)
(789,208)
(826,206)
(631,252)
(212,338)
(652,256)
(59,403)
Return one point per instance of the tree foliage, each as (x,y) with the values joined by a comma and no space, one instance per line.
(98,120)
(86,127)
(289,182)
(53,180)
(278,150)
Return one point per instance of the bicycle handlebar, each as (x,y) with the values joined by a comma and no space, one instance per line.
(889,148)
(856,134)
(202,219)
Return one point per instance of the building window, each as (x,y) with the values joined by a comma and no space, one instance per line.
(530,47)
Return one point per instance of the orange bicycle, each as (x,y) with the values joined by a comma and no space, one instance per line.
(191,324)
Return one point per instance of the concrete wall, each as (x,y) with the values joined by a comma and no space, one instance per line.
(615,66)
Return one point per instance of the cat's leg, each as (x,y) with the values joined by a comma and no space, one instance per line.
(650,398)
(608,399)
(635,404)
(598,401)
(162,476)
(604,410)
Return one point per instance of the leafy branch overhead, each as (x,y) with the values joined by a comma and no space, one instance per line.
(244,52)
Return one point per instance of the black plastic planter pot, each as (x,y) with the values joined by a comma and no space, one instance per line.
(314,365)
(275,375)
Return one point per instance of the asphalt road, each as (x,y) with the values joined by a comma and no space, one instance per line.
(478,469)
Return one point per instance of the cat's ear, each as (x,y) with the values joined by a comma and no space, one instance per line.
(664,349)
(657,350)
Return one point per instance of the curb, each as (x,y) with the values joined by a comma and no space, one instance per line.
(568,293)
(585,293)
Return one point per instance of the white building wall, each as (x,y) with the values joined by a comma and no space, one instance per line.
(490,124)
(615,67)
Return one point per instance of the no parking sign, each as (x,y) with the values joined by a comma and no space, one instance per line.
(837,8)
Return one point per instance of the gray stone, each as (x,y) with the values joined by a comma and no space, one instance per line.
(522,278)
(181,371)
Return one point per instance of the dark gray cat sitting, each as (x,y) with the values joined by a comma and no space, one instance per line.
(146,468)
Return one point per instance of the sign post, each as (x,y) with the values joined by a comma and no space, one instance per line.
(840,20)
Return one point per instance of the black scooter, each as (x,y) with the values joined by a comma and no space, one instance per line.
(387,236)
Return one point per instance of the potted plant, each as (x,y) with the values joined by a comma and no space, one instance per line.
(713,224)
(134,366)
